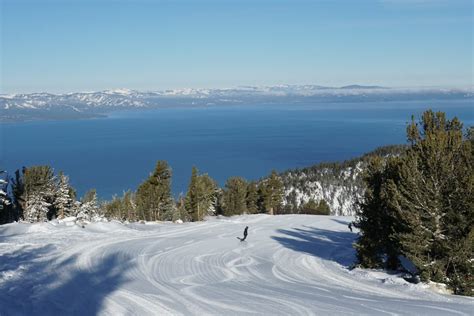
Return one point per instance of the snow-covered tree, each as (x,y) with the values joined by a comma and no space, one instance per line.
(89,208)
(38,193)
(63,201)
(5,203)
(37,208)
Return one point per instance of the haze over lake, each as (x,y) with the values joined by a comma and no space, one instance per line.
(116,153)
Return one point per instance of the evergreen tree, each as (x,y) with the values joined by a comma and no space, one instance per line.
(18,190)
(252,198)
(123,208)
(374,219)
(63,202)
(181,212)
(37,188)
(323,208)
(129,207)
(201,196)
(114,208)
(272,193)
(235,195)
(37,208)
(89,209)
(434,196)
(6,215)
(153,198)
(291,204)
(421,205)
(315,208)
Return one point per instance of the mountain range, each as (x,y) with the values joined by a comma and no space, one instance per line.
(33,106)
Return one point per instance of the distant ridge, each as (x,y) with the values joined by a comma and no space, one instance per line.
(38,106)
(356,86)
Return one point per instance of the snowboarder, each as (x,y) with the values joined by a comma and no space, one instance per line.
(350,226)
(245,234)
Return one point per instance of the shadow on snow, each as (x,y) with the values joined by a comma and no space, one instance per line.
(325,244)
(33,285)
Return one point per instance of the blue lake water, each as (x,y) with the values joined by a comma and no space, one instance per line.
(117,153)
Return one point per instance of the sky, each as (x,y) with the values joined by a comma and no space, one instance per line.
(68,46)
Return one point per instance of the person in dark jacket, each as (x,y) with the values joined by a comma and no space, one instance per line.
(245,234)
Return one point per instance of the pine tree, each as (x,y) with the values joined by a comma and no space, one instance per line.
(6,215)
(63,201)
(309,207)
(315,208)
(37,208)
(181,212)
(37,187)
(291,203)
(153,198)
(235,194)
(252,198)
(201,196)
(435,195)
(89,209)
(373,217)
(421,205)
(121,208)
(129,206)
(18,190)
(273,193)
(323,208)
(114,209)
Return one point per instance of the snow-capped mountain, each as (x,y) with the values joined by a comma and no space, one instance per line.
(90,104)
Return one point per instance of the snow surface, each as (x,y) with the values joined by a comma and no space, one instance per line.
(289,265)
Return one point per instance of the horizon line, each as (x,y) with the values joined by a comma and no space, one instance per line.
(348,86)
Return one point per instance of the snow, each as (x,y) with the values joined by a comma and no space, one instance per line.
(289,265)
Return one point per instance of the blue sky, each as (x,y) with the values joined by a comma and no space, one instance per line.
(65,46)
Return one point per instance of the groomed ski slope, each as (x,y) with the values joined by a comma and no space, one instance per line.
(289,265)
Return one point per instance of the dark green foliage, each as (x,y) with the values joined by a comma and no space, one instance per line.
(18,190)
(374,218)
(36,188)
(272,192)
(6,214)
(153,197)
(123,208)
(235,196)
(201,196)
(421,205)
(181,212)
(315,208)
(323,208)
(252,198)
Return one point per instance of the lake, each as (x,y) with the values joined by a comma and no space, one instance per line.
(116,153)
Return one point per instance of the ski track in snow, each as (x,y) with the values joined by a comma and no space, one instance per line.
(289,265)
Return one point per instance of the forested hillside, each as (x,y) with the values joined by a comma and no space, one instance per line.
(340,184)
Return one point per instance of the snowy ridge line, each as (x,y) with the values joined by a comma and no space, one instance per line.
(17,107)
(289,265)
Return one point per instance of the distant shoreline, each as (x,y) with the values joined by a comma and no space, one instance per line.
(34,115)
